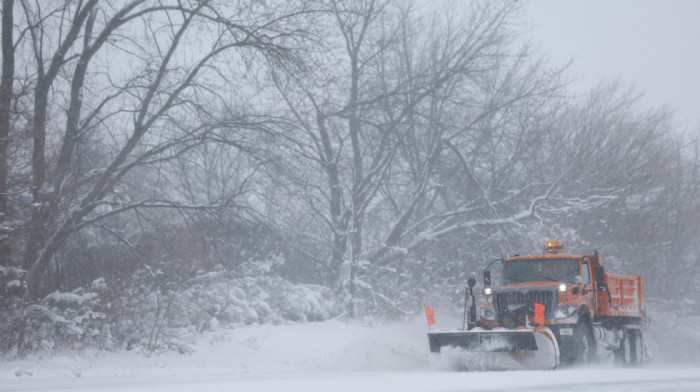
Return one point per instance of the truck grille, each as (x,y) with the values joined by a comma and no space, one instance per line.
(516,297)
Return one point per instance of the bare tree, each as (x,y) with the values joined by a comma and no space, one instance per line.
(379,131)
(136,104)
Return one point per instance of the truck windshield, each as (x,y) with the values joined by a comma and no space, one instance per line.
(562,270)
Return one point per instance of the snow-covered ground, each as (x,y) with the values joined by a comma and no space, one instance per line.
(328,356)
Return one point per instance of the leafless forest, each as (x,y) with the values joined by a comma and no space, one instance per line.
(167,166)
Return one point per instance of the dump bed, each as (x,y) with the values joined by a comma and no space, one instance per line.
(626,296)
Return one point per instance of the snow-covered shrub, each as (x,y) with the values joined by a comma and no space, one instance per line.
(61,320)
(159,319)
(13,285)
(255,299)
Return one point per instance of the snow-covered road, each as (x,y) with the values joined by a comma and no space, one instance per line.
(599,380)
(329,356)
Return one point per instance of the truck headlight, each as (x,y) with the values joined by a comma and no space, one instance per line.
(565,311)
(488,291)
(487,314)
(562,288)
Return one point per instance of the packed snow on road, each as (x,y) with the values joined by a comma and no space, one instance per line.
(326,356)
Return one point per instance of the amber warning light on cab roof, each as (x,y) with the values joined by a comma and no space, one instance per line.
(553,247)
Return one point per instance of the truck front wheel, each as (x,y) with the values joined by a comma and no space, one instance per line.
(583,349)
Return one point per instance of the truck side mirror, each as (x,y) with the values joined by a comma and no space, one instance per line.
(487,278)
(600,276)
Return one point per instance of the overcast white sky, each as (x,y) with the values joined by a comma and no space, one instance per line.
(652,44)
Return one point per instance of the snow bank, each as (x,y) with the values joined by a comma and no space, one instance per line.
(329,346)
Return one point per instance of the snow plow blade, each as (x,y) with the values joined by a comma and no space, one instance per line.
(486,341)
(528,348)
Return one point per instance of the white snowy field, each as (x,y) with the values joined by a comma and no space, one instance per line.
(328,356)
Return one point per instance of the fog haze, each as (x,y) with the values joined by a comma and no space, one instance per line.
(649,44)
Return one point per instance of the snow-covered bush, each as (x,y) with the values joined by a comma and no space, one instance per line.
(169,318)
(258,299)
(61,320)
(13,285)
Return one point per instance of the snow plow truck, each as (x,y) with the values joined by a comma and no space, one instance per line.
(563,308)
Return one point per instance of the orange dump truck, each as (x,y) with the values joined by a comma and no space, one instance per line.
(563,307)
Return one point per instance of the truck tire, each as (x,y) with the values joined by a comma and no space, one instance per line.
(583,350)
(637,347)
(623,355)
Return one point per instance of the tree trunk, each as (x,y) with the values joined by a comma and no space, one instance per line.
(8,71)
